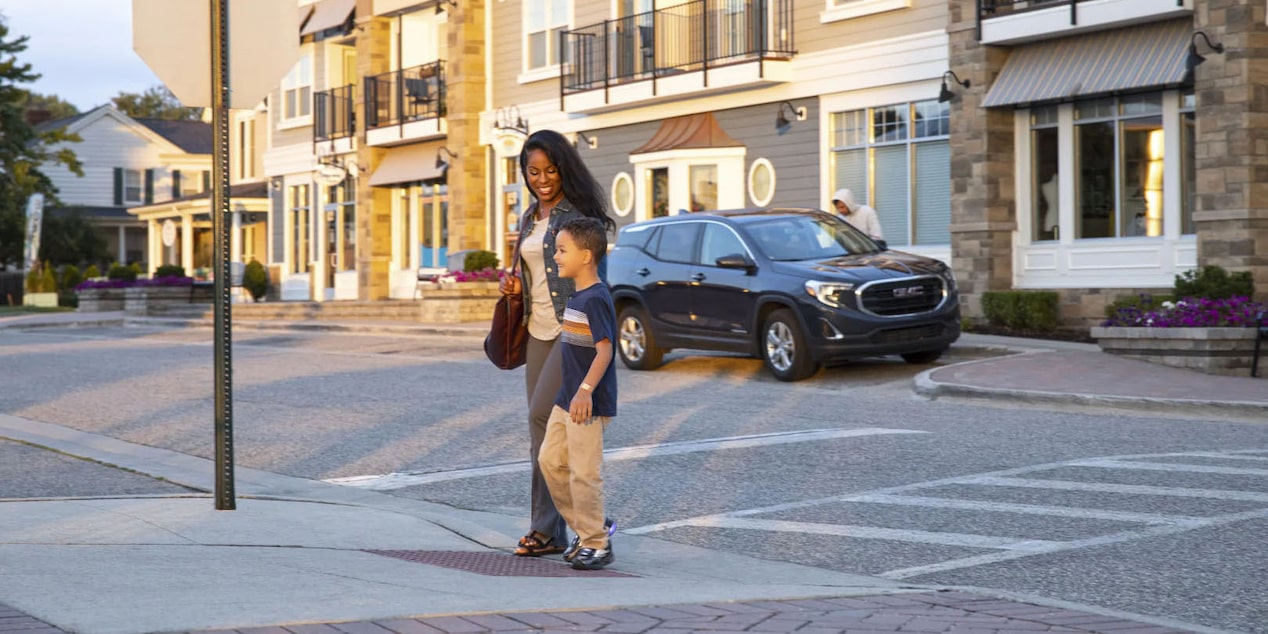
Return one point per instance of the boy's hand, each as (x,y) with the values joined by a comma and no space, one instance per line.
(580,407)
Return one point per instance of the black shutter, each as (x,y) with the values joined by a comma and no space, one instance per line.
(206,180)
(118,186)
(176,183)
(149,187)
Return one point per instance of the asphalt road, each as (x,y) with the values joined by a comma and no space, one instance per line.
(850,471)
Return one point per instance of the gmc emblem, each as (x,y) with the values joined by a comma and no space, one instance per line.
(909,291)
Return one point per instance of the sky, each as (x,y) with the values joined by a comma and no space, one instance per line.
(83,48)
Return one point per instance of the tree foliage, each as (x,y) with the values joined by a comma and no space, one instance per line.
(69,238)
(24,151)
(157,102)
(57,109)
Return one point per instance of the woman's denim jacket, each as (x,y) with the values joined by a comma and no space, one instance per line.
(561,288)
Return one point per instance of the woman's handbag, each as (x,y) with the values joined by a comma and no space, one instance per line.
(507,343)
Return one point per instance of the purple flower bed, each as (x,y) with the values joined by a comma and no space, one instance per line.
(1192,312)
(158,281)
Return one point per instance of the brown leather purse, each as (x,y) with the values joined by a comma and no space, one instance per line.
(507,342)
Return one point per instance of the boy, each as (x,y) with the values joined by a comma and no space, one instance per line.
(571,457)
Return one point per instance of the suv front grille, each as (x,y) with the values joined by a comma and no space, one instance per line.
(907,296)
(907,335)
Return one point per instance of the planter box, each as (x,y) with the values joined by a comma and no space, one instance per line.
(43,300)
(97,300)
(453,302)
(1225,351)
(143,301)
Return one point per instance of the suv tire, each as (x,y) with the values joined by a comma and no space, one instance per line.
(637,345)
(784,349)
(924,356)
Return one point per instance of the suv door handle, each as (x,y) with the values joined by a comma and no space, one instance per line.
(643,271)
(697,276)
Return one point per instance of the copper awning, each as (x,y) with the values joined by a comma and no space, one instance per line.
(690,132)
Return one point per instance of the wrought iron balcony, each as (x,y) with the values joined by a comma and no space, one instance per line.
(333,116)
(1019,21)
(692,37)
(402,96)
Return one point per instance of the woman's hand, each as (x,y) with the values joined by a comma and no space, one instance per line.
(510,285)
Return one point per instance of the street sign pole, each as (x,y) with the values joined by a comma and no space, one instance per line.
(225,498)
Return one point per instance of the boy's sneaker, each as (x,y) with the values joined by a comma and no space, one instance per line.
(592,559)
(571,553)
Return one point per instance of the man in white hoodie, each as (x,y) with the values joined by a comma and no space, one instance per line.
(861,216)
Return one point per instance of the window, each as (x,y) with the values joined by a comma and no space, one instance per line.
(341,229)
(246,141)
(704,187)
(623,194)
(297,89)
(133,191)
(299,208)
(658,186)
(719,241)
(1045,211)
(761,182)
(544,20)
(897,159)
(678,242)
(1119,153)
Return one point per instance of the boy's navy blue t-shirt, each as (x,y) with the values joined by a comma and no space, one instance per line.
(588,318)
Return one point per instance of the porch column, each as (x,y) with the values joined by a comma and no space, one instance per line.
(982,168)
(413,209)
(235,238)
(187,243)
(374,204)
(153,245)
(123,244)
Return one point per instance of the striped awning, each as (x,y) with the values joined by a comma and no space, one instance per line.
(1108,62)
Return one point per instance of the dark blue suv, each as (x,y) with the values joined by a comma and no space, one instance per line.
(798,287)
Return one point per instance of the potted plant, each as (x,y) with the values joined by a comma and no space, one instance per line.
(41,288)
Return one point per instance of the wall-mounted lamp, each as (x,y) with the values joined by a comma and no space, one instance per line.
(333,170)
(508,119)
(591,142)
(946,94)
(1192,61)
(781,121)
(441,163)
(440,5)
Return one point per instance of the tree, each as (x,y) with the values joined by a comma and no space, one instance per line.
(157,102)
(56,108)
(69,238)
(24,150)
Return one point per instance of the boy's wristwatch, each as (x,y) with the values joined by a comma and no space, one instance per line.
(586,386)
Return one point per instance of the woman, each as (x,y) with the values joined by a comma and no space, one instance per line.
(562,189)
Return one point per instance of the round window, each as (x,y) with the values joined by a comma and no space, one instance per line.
(761,182)
(623,194)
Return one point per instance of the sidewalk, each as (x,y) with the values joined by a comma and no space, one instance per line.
(306,556)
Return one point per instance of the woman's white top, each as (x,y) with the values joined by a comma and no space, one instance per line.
(542,323)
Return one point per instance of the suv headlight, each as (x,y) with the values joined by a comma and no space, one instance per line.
(948,276)
(828,293)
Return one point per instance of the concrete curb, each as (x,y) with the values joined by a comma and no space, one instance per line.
(446,330)
(78,323)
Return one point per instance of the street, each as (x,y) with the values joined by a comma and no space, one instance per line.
(1155,515)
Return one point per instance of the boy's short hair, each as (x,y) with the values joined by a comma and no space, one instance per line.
(589,234)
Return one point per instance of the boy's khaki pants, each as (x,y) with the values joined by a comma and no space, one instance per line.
(571,461)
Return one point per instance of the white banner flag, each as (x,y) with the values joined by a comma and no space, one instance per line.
(34,218)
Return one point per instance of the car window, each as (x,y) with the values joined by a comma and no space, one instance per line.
(678,242)
(719,240)
(808,238)
(634,236)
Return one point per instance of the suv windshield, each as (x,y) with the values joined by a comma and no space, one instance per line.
(790,238)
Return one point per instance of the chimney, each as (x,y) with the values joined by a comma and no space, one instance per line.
(36,116)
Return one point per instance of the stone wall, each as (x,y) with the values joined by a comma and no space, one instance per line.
(1223,351)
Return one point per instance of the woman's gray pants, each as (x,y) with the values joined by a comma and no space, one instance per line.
(542,376)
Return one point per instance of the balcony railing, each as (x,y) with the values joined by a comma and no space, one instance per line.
(402,96)
(988,9)
(333,116)
(694,36)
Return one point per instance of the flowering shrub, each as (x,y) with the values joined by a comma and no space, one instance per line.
(157,281)
(483,275)
(1191,312)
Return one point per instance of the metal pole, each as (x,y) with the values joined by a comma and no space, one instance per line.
(225,498)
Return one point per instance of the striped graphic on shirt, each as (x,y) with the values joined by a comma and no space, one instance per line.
(576,329)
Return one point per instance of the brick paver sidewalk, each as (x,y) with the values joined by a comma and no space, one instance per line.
(928,612)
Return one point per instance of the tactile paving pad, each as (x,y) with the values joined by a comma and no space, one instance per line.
(495,564)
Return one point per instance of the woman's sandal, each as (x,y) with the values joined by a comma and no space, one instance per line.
(531,545)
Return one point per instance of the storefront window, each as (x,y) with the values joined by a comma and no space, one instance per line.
(704,187)
(433,226)
(1094,155)
(1141,188)
(341,212)
(1045,212)
(658,185)
(299,212)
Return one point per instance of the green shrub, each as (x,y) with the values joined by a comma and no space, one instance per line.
(71,277)
(48,279)
(479,261)
(170,270)
(256,280)
(34,278)
(1143,302)
(92,272)
(1021,310)
(137,271)
(121,272)
(68,298)
(1213,282)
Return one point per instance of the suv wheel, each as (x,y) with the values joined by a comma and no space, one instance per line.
(924,356)
(784,348)
(637,345)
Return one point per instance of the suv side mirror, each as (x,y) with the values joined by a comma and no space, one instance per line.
(881,244)
(737,261)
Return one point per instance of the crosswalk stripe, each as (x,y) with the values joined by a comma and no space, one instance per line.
(1166,466)
(1224,456)
(1029,509)
(873,532)
(1128,489)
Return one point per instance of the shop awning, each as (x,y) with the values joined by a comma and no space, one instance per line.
(328,14)
(689,132)
(408,164)
(1104,63)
